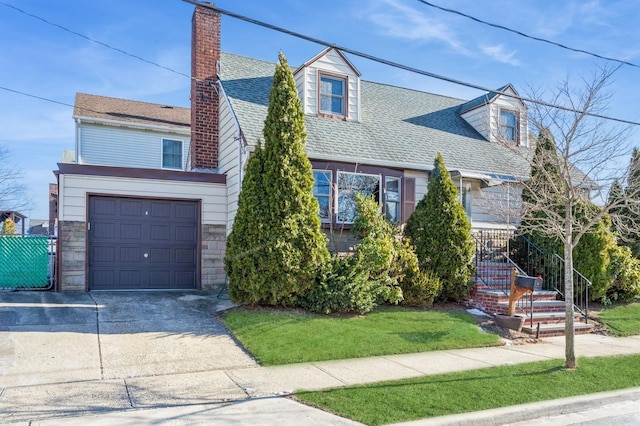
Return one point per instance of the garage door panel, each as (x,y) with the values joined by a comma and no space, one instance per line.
(160,255)
(130,254)
(131,231)
(185,233)
(185,257)
(160,232)
(186,211)
(161,209)
(104,230)
(122,231)
(104,207)
(131,208)
(131,278)
(103,254)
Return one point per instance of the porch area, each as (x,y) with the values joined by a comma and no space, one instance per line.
(501,255)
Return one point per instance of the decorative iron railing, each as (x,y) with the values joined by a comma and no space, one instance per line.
(512,250)
(494,266)
(551,266)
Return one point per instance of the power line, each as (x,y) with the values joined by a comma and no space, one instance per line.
(313,40)
(48,100)
(401,66)
(520,33)
(94,40)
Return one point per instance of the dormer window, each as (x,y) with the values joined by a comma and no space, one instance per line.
(508,125)
(333,95)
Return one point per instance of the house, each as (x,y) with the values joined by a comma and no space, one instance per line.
(150,193)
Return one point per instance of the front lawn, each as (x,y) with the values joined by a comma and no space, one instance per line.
(430,396)
(277,337)
(622,320)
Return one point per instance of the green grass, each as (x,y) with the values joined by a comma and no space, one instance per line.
(431,396)
(622,320)
(278,337)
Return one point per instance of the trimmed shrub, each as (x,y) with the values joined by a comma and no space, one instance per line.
(625,268)
(441,232)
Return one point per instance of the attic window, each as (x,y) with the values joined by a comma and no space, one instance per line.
(333,95)
(508,125)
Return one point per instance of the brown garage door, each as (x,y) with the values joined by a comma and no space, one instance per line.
(142,243)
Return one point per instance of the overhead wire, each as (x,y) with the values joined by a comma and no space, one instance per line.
(402,66)
(93,40)
(315,41)
(520,33)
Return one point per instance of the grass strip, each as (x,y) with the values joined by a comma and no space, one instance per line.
(430,396)
(622,320)
(277,337)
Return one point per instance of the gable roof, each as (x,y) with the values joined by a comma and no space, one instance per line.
(124,110)
(487,98)
(324,53)
(399,127)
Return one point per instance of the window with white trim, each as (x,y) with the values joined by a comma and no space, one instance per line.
(348,185)
(171,154)
(392,199)
(322,192)
(508,125)
(332,95)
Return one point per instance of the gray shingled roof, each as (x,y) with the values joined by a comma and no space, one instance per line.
(106,108)
(398,127)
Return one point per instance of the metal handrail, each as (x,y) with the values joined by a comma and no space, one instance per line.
(551,267)
(500,254)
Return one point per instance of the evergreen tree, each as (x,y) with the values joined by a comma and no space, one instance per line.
(630,216)
(441,232)
(247,240)
(545,179)
(291,247)
(615,194)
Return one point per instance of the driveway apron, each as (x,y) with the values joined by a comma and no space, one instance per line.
(48,337)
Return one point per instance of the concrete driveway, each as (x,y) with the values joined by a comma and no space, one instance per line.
(48,337)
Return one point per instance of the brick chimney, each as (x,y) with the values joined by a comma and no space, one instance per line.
(205,54)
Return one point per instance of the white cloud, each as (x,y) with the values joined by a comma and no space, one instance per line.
(498,53)
(401,21)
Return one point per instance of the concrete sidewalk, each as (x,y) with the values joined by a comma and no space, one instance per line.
(113,364)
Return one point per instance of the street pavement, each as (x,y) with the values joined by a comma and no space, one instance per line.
(165,358)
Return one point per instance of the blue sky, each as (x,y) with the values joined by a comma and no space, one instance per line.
(46,61)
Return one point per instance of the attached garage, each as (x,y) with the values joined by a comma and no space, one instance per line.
(140,243)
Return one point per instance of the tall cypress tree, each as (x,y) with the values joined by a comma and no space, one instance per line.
(243,257)
(291,247)
(441,232)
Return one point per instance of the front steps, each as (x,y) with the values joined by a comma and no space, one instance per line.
(548,312)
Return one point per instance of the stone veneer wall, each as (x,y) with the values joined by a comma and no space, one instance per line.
(214,242)
(72,255)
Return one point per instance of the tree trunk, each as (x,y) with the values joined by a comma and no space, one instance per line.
(569,331)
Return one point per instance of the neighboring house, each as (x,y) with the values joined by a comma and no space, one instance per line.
(151,192)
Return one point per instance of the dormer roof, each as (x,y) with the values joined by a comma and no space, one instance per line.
(490,97)
(326,51)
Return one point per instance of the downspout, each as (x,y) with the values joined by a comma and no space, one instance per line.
(78,135)
(238,137)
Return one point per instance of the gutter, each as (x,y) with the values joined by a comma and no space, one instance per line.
(154,127)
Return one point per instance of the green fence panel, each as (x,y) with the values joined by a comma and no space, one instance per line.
(24,262)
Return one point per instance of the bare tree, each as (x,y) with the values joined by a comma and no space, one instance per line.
(13,191)
(589,150)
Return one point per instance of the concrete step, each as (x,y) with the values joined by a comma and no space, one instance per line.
(549,330)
